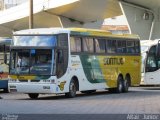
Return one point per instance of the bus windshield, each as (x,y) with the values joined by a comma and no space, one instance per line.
(144,49)
(32,61)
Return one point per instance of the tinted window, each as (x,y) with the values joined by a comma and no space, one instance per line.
(75,43)
(137,46)
(152,50)
(63,40)
(88,45)
(100,45)
(111,46)
(130,47)
(121,46)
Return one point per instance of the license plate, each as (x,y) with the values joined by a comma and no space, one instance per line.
(13,90)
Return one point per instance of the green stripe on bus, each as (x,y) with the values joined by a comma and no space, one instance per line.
(92,69)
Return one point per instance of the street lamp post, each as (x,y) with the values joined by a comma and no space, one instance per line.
(31,14)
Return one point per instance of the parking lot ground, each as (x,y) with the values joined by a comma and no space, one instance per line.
(139,100)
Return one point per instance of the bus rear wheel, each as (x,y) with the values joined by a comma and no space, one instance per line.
(125,85)
(72,89)
(33,95)
(119,88)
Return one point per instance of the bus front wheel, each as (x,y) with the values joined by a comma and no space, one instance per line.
(33,95)
(5,90)
(72,89)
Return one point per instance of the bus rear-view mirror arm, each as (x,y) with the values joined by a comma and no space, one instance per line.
(158,49)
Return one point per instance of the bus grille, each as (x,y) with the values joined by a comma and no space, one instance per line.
(35,80)
(23,80)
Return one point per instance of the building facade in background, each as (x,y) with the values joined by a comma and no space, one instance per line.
(5,4)
(116,29)
(116,25)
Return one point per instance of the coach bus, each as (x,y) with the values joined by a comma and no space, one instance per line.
(4,62)
(67,60)
(150,62)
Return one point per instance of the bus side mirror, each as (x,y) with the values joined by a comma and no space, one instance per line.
(147,52)
(158,49)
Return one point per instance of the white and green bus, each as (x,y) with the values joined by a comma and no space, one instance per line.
(59,60)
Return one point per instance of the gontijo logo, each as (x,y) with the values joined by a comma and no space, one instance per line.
(114,61)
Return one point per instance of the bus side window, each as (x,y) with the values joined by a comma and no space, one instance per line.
(130,47)
(88,45)
(111,46)
(60,56)
(100,45)
(137,46)
(75,43)
(63,40)
(121,46)
(60,63)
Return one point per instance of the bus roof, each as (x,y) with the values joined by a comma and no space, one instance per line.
(74,31)
(95,32)
(149,42)
(41,31)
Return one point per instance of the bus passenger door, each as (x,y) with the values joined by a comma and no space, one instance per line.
(62,62)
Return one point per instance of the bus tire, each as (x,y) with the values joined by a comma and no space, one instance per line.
(72,89)
(33,95)
(126,84)
(119,88)
(5,90)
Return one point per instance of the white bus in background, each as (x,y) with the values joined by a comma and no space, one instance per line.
(150,62)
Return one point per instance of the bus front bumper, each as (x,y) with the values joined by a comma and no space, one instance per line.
(32,87)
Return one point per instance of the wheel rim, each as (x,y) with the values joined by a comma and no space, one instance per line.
(126,86)
(120,86)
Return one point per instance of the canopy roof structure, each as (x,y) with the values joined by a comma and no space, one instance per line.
(143,17)
(58,13)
